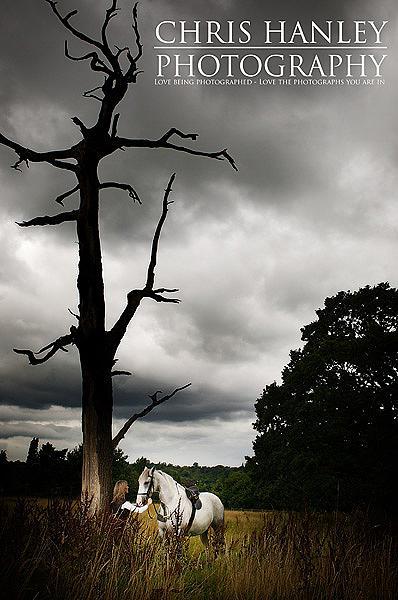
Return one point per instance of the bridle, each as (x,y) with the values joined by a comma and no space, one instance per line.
(149,491)
(148,494)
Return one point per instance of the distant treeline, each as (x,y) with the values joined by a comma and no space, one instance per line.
(50,472)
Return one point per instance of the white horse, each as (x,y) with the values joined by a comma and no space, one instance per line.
(177,513)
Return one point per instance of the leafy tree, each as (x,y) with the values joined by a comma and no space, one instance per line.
(328,433)
(74,457)
(119,69)
(120,465)
(238,490)
(3,457)
(33,452)
(50,458)
(141,463)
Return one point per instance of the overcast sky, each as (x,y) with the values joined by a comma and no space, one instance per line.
(312,211)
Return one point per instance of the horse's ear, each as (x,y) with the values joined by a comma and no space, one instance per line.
(151,471)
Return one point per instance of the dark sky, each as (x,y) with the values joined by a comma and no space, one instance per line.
(311,211)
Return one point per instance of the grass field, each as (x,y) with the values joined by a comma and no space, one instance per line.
(57,552)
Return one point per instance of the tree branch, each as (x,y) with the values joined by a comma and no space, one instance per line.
(90,94)
(115,373)
(137,34)
(179,133)
(120,327)
(72,215)
(120,50)
(114,125)
(74,314)
(113,59)
(134,297)
(155,402)
(126,187)
(150,280)
(53,347)
(122,186)
(60,199)
(132,72)
(157,295)
(65,22)
(80,125)
(26,155)
(96,64)
(51,220)
(163,142)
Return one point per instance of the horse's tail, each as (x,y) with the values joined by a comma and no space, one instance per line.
(218,526)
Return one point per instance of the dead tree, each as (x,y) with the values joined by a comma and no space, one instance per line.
(97,347)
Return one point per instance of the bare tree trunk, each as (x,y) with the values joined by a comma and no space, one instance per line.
(97,438)
(95,360)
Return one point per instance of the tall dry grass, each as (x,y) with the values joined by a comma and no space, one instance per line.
(57,552)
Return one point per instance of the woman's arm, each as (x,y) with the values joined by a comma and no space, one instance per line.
(134,508)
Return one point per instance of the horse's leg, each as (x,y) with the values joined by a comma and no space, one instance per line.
(205,538)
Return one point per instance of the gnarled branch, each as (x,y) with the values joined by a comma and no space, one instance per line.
(163,142)
(109,14)
(137,34)
(134,297)
(132,72)
(112,67)
(72,215)
(155,402)
(63,217)
(122,186)
(120,50)
(53,347)
(90,94)
(26,154)
(150,280)
(96,63)
(77,317)
(65,22)
(126,187)
(60,199)
(173,131)
(115,373)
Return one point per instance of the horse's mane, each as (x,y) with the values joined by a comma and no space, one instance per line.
(170,479)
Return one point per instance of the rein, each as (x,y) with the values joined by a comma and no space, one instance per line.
(159,517)
(148,493)
(164,518)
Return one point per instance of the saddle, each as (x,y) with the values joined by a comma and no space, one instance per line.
(192,492)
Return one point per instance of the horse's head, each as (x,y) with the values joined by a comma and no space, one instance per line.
(146,485)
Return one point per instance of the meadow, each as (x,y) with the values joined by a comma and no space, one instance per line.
(55,551)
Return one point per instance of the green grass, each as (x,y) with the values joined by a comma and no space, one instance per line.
(55,551)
